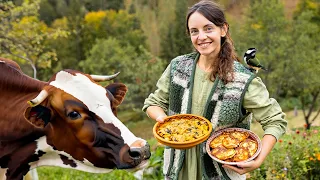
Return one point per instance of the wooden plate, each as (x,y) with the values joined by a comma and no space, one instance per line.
(185,144)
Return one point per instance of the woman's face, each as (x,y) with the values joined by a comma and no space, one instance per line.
(205,36)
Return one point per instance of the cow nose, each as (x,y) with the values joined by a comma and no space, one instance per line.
(135,155)
(140,153)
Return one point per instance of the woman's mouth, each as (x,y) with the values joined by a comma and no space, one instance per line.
(204,45)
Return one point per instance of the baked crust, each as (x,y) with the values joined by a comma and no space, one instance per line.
(183,130)
(234,146)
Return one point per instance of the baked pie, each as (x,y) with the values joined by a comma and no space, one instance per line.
(233,146)
(183,130)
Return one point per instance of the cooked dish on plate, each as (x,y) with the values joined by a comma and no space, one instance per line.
(182,131)
(233,145)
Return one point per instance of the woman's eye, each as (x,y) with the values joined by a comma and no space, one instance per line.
(74,115)
(193,32)
(209,29)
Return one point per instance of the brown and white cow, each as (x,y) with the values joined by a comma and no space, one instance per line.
(69,121)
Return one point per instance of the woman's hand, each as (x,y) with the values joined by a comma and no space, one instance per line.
(268,142)
(245,167)
(160,118)
(156,113)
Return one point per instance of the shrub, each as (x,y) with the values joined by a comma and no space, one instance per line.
(295,156)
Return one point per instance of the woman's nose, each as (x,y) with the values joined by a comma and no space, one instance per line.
(202,35)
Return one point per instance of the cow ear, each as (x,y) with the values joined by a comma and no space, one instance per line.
(118,90)
(39,116)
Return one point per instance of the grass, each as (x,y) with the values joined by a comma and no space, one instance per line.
(57,173)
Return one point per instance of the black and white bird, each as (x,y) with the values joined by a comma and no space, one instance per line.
(251,60)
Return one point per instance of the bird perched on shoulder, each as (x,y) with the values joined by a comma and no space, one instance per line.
(251,60)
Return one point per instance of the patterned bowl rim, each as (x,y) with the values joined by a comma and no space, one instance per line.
(217,133)
(198,140)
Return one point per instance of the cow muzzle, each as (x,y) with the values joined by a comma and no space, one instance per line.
(140,153)
(137,156)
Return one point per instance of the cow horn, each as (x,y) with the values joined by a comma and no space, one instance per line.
(104,78)
(41,97)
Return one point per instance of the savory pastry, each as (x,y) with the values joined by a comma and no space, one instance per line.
(241,154)
(251,145)
(233,146)
(183,130)
(218,140)
(239,135)
(230,142)
(223,153)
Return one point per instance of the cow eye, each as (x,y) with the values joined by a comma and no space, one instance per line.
(74,115)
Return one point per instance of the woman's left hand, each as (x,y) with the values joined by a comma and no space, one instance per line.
(245,167)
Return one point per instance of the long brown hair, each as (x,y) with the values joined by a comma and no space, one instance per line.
(223,66)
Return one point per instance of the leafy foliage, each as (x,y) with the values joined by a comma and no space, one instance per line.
(24,36)
(96,5)
(295,156)
(265,28)
(306,59)
(52,9)
(155,17)
(177,42)
(288,49)
(108,56)
(110,23)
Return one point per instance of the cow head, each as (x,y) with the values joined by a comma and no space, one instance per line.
(79,119)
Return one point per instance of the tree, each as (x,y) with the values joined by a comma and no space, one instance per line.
(85,29)
(304,81)
(96,5)
(288,48)
(266,29)
(155,17)
(47,12)
(71,49)
(119,24)
(24,36)
(138,71)
(177,41)
(310,5)
(52,9)
(64,48)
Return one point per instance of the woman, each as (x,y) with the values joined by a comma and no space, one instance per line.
(212,83)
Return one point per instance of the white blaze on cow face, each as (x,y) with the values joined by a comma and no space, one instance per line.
(94,97)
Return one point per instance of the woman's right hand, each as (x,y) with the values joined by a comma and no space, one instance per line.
(156,113)
(160,118)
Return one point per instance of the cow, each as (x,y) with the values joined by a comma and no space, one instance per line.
(70,121)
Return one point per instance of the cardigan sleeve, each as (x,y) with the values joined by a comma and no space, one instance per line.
(160,97)
(265,110)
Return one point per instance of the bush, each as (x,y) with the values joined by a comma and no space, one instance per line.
(154,170)
(287,104)
(295,156)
